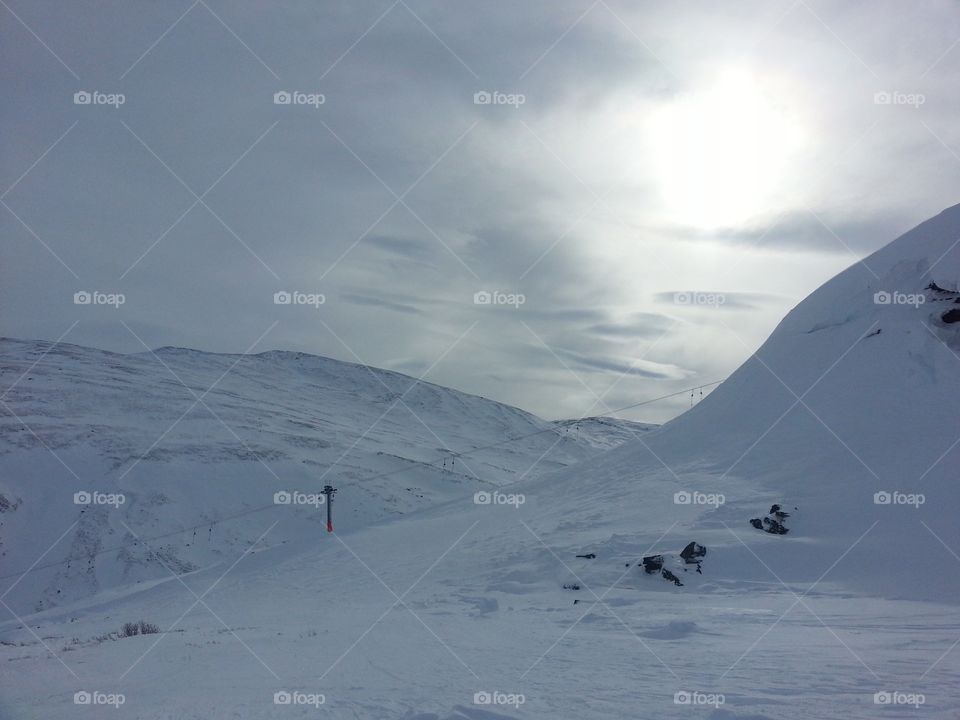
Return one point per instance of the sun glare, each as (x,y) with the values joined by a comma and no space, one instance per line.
(720,155)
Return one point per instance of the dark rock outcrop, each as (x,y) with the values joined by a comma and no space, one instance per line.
(774,527)
(773,523)
(692,552)
(667,575)
(652,563)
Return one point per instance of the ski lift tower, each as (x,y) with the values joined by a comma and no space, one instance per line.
(329,491)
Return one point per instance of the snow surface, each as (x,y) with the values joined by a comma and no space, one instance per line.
(413,608)
(189,438)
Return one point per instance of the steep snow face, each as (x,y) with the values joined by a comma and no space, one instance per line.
(849,412)
(186,438)
(901,381)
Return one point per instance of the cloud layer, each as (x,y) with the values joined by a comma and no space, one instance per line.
(539,153)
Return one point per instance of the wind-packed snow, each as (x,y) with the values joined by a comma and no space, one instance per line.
(453,605)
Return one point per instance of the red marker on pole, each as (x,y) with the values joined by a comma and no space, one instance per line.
(329,491)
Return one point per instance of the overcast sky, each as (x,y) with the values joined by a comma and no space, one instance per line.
(650,188)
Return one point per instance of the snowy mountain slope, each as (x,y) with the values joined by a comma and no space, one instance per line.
(459,611)
(855,393)
(189,438)
(414,617)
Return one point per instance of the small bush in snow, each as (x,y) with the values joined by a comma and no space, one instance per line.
(138,628)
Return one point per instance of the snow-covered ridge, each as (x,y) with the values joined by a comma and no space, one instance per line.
(189,437)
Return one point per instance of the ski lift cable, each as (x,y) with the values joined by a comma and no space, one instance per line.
(250,511)
(571,421)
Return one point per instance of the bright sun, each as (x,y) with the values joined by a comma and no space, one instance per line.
(721,155)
